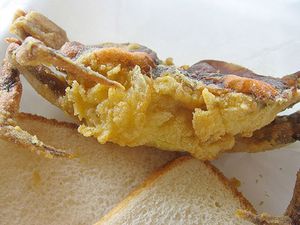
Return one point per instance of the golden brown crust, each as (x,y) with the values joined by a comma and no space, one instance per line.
(127,59)
(160,172)
(74,49)
(250,86)
(237,78)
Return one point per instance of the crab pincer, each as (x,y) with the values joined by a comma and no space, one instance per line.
(36,25)
(33,52)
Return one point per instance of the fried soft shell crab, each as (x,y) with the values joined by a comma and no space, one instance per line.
(123,93)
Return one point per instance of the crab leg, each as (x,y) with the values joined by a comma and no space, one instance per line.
(38,26)
(19,136)
(34,53)
(10,94)
(10,85)
(282,131)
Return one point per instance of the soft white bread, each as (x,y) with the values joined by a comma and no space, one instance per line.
(35,190)
(186,191)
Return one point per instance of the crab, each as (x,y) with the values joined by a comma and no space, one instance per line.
(125,94)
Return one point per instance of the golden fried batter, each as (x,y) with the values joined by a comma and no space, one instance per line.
(171,111)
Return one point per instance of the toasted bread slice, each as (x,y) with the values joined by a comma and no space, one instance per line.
(186,191)
(35,190)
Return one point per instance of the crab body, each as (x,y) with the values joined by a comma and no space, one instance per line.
(123,93)
(170,110)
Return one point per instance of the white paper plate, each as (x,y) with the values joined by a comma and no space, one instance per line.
(260,35)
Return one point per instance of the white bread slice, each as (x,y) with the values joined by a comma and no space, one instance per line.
(186,191)
(35,190)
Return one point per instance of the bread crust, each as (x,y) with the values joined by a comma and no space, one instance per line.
(29,116)
(244,202)
(160,172)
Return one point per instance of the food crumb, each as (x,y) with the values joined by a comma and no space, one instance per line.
(256,181)
(235,182)
(35,140)
(280,168)
(169,61)
(114,70)
(133,46)
(260,175)
(102,67)
(261,203)
(185,67)
(244,106)
(18,128)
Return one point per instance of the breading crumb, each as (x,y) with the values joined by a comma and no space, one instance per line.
(169,61)
(261,203)
(235,182)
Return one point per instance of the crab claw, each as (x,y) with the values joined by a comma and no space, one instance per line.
(38,26)
(33,52)
(10,95)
